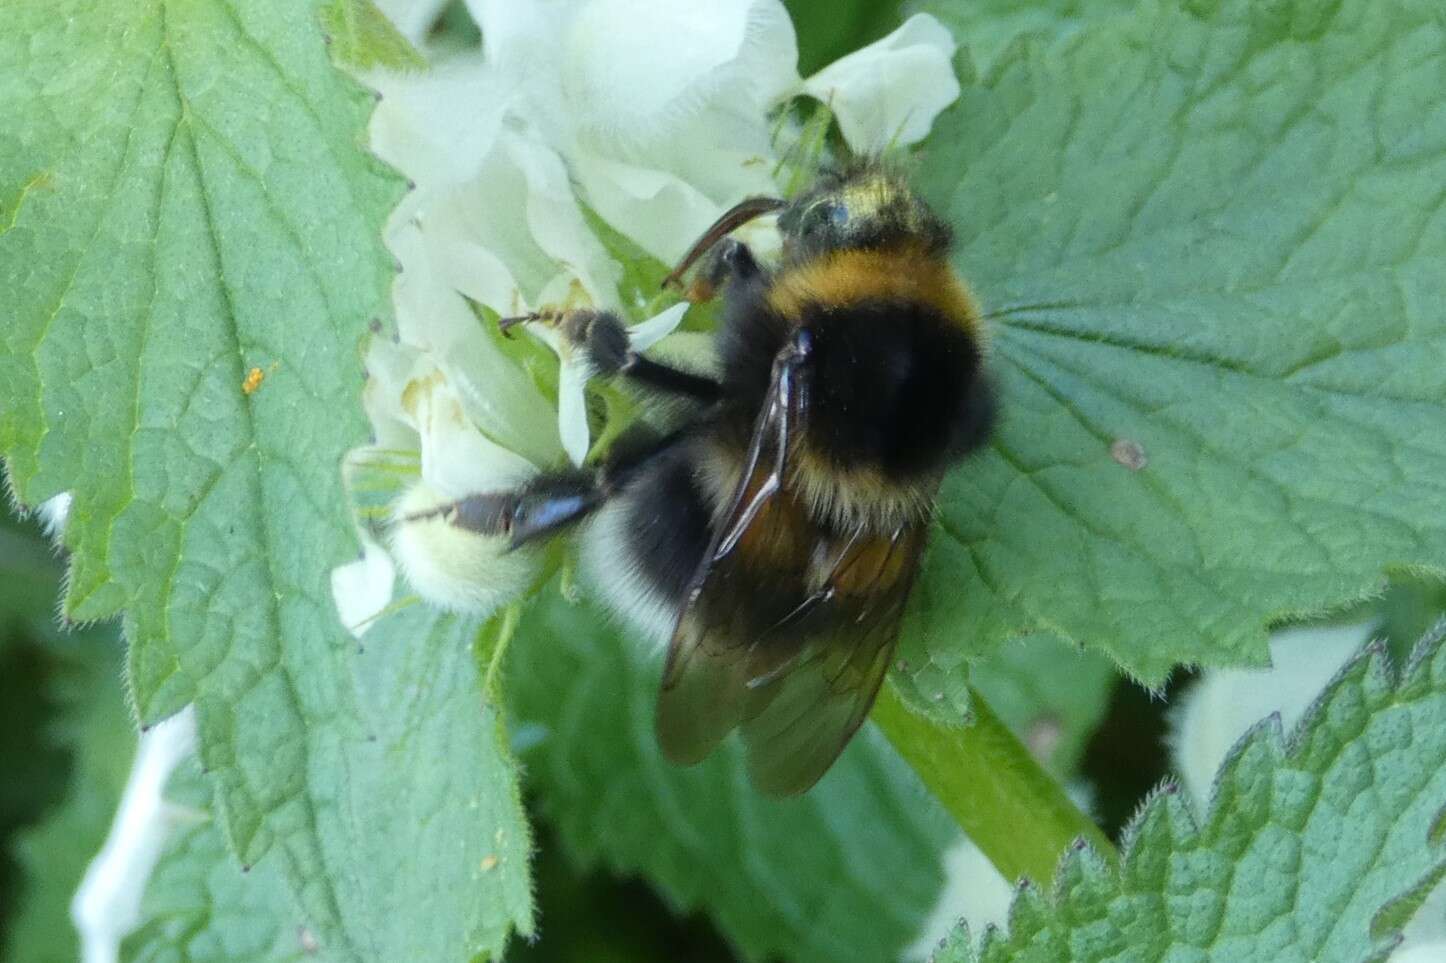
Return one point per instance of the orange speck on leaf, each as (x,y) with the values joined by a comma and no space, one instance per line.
(253,380)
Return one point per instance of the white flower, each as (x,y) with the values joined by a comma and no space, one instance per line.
(363,588)
(891,91)
(661,108)
(653,116)
(106,906)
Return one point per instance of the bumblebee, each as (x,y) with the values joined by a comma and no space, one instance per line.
(773,534)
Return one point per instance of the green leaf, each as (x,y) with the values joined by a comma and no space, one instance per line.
(198,905)
(986,27)
(95,726)
(191,258)
(29,577)
(1410,608)
(848,871)
(1052,695)
(362,37)
(1215,236)
(1316,847)
(428,818)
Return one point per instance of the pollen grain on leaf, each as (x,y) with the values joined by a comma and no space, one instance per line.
(252,381)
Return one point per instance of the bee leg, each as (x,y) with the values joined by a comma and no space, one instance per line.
(541,507)
(730,260)
(551,502)
(604,337)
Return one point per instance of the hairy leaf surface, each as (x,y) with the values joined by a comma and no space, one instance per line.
(1315,847)
(1213,236)
(191,254)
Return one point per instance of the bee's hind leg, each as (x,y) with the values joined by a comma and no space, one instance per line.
(541,507)
(553,501)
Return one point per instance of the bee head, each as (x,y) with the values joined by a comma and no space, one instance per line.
(864,207)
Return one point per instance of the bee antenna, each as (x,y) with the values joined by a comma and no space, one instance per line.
(736,216)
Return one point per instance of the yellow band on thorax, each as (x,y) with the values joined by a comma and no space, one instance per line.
(905,273)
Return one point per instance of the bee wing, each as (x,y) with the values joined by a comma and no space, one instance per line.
(705,690)
(787,632)
(802,715)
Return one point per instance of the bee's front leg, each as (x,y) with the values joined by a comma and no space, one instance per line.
(603,338)
(729,261)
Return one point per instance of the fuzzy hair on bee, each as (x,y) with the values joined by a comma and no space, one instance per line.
(771,534)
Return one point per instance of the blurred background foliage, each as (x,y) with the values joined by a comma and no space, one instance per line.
(68,736)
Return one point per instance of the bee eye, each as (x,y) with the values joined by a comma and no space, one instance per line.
(823,216)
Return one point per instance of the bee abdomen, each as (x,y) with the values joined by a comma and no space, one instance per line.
(895,387)
(643,548)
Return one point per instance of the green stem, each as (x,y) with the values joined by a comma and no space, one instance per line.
(506,628)
(1013,810)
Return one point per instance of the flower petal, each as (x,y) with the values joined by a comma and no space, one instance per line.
(632,68)
(362,589)
(572,407)
(106,906)
(433,318)
(890,91)
(556,220)
(457,460)
(658,211)
(437,126)
(477,272)
(645,334)
(389,368)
